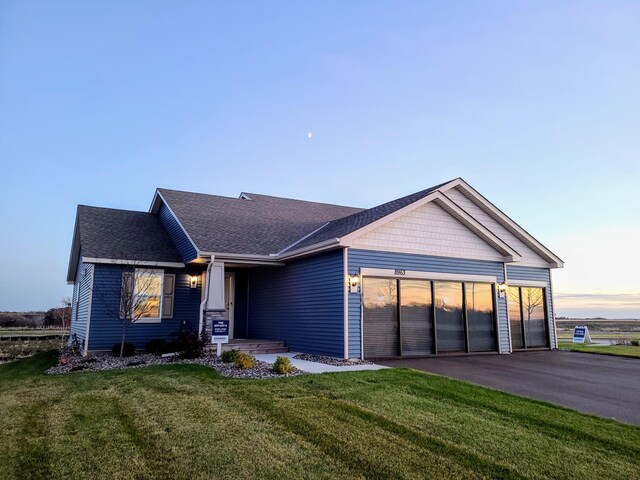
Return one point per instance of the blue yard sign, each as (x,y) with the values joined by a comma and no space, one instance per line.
(581,334)
(220,331)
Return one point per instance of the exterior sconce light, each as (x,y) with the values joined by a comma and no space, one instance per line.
(354,283)
(193,281)
(502,289)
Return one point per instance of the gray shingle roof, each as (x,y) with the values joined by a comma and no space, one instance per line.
(125,235)
(260,226)
(343,226)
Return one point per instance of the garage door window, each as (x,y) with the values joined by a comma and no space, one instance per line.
(479,298)
(527,317)
(450,317)
(418,317)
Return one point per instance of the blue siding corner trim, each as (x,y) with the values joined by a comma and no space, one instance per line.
(421,263)
(173,228)
(515,272)
(301,304)
(105,326)
(81,302)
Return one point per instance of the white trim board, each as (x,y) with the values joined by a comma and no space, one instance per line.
(345,288)
(86,336)
(526,283)
(520,232)
(413,274)
(133,263)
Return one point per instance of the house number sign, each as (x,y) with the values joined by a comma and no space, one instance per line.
(400,272)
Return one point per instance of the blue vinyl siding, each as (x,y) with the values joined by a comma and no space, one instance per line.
(81,302)
(515,272)
(388,260)
(301,304)
(105,326)
(182,242)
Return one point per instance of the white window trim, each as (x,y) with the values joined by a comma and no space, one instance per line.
(151,319)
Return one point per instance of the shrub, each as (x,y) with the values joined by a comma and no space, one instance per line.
(172,346)
(283,366)
(154,345)
(635,343)
(244,361)
(128,350)
(229,356)
(191,344)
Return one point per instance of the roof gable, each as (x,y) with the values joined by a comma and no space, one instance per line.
(533,252)
(107,233)
(253,224)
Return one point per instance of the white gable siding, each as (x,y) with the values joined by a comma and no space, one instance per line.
(428,230)
(528,255)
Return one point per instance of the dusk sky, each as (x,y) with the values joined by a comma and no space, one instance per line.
(535,104)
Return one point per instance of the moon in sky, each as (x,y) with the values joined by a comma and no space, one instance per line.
(309,135)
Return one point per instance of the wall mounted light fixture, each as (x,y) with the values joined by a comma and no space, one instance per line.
(354,283)
(193,281)
(502,289)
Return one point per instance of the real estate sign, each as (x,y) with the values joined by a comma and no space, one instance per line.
(220,331)
(581,334)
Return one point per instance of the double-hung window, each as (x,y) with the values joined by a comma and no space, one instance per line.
(141,296)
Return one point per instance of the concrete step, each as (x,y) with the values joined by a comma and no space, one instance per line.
(254,348)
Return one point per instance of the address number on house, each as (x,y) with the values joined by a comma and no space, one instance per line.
(400,272)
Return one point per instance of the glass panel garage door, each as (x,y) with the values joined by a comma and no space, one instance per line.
(380,322)
(479,298)
(449,317)
(416,318)
(527,316)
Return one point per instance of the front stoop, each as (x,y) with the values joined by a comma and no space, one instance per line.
(253,347)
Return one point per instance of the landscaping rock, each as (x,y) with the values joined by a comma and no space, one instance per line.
(337,362)
(105,361)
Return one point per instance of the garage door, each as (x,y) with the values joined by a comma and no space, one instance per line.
(397,317)
(415,317)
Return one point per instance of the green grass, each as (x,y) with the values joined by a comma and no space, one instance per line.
(185,421)
(618,350)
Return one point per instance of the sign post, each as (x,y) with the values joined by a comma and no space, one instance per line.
(220,334)
(581,334)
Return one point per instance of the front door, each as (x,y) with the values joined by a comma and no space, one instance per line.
(229,295)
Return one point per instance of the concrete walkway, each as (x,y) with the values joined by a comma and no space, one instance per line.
(314,367)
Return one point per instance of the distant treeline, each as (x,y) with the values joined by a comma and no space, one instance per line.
(54,317)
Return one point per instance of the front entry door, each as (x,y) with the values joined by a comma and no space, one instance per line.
(229,295)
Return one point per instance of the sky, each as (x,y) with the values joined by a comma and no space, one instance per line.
(535,104)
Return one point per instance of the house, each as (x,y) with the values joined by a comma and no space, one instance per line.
(440,271)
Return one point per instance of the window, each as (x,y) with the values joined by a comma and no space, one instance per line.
(141,295)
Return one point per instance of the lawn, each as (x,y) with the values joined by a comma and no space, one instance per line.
(618,350)
(185,421)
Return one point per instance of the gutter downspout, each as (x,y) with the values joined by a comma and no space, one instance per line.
(203,304)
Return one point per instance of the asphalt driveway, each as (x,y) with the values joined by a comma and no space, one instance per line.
(598,384)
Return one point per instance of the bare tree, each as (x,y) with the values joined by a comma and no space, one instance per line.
(139,296)
(531,299)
